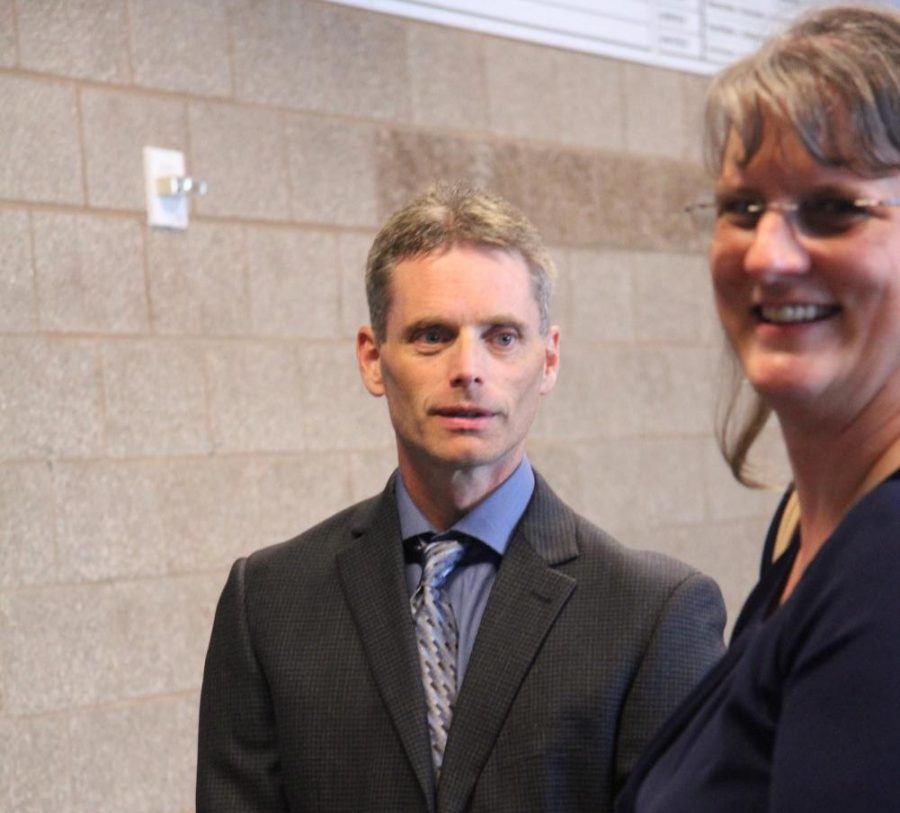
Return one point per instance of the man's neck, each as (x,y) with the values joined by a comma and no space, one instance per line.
(444,494)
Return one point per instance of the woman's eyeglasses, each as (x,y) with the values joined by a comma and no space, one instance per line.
(816,217)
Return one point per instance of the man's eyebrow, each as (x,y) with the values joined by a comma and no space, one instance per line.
(503,320)
(424,323)
(492,322)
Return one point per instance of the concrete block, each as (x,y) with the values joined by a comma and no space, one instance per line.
(625,485)
(117,127)
(369,470)
(142,756)
(599,478)
(409,162)
(337,411)
(522,87)
(51,403)
(282,397)
(672,298)
(590,92)
(564,192)
(593,397)
(241,154)
(729,501)
(352,252)
(271,46)
(559,464)
(27,533)
(209,511)
(321,57)
(90,274)
(7,34)
(181,46)
(640,204)
(36,763)
(444,93)
(656,114)
(108,521)
(673,185)
(85,39)
(670,489)
(294,283)
(297,491)
(675,389)
(257,397)
(40,158)
(139,757)
(18,310)
(198,281)
(75,646)
(332,171)
(603,296)
(155,399)
(561,304)
(694,88)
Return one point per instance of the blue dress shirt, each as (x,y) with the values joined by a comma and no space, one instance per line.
(492,523)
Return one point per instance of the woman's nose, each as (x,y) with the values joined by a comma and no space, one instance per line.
(776,247)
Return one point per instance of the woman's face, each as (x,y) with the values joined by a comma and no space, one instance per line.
(811,304)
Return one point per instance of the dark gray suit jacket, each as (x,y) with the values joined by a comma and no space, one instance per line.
(312,699)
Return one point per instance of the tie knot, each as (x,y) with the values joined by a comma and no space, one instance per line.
(439,560)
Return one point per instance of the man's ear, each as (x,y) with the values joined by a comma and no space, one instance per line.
(551,360)
(368,356)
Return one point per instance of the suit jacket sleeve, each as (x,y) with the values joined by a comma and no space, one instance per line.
(237,769)
(686,642)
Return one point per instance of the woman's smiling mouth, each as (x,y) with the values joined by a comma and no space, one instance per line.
(793,314)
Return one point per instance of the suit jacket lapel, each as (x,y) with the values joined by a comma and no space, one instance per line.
(371,573)
(525,601)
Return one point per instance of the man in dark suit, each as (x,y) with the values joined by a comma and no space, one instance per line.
(463,641)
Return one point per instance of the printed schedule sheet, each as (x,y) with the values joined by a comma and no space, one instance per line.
(693,35)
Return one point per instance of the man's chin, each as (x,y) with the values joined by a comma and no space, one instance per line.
(472,456)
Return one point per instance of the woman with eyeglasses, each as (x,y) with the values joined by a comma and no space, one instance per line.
(803,712)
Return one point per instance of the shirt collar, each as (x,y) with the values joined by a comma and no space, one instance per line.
(492,521)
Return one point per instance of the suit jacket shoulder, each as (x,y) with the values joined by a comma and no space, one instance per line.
(598,644)
(326,538)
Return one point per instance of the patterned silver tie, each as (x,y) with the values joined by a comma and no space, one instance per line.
(437,636)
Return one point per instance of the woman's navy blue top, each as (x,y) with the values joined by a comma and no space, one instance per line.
(803,712)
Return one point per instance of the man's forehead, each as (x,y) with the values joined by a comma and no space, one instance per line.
(465,288)
(461,247)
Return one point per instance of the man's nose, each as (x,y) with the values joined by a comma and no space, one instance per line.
(776,247)
(466,360)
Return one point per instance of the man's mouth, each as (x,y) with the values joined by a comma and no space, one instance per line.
(794,314)
(463,412)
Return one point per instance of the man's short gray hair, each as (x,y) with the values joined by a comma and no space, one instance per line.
(455,215)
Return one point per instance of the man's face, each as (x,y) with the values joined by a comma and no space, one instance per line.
(463,363)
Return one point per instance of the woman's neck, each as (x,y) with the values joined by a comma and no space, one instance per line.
(833,470)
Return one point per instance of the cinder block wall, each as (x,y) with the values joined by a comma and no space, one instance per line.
(169,401)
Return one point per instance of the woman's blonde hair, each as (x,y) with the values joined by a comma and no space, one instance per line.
(833,78)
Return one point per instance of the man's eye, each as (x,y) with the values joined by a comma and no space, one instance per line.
(431,336)
(504,338)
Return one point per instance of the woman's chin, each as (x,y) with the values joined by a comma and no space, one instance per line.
(784,384)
